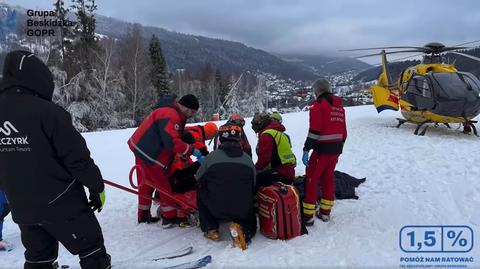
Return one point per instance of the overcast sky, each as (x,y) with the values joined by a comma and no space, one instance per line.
(306,26)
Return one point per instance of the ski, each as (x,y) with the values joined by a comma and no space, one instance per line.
(193,264)
(183,251)
(175,254)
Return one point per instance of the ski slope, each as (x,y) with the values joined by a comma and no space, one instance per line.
(411,180)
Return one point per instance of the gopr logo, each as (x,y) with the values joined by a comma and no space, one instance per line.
(8,128)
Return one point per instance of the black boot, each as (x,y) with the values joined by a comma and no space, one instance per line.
(100,261)
(144,216)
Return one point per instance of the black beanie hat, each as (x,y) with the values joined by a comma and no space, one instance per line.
(189,101)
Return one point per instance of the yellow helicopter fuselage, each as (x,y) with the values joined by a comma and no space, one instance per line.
(387,95)
(419,116)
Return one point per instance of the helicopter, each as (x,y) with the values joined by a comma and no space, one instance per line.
(432,92)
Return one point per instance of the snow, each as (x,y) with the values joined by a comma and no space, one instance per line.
(411,180)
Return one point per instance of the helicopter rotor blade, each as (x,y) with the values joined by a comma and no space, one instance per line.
(380,48)
(454,48)
(466,43)
(390,52)
(466,55)
(407,57)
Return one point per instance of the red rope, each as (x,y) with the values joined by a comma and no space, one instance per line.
(108,182)
(145,180)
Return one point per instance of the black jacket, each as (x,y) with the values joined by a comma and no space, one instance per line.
(44,161)
(226,182)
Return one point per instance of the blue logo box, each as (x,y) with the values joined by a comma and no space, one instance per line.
(436,239)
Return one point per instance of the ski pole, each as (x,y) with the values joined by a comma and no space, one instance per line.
(161,191)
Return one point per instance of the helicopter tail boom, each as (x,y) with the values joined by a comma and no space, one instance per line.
(383,97)
(385,79)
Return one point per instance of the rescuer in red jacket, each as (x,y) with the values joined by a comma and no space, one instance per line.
(154,143)
(326,135)
(276,161)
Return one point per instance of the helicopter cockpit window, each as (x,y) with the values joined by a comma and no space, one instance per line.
(419,93)
(473,84)
(449,85)
(419,86)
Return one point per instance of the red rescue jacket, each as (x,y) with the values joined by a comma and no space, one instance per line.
(157,138)
(199,135)
(181,162)
(267,153)
(327,130)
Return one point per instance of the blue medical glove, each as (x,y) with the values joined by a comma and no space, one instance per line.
(305,158)
(198,155)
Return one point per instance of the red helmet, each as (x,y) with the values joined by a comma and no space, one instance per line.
(210,129)
(236,119)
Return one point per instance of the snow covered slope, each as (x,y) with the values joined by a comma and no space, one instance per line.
(411,180)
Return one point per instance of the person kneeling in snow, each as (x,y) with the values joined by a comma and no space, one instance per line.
(226,181)
(237,120)
(276,161)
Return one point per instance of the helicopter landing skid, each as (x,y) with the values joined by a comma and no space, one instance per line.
(472,127)
(419,126)
(400,122)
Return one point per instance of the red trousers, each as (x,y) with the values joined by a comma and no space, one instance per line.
(320,170)
(148,175)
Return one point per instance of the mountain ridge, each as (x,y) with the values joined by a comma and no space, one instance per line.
(224,54)
(193,52)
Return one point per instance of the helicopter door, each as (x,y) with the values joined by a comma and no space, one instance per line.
(419,93)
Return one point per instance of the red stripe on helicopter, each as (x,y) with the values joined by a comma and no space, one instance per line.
(393,99)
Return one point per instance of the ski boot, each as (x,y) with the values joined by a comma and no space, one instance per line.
(189,221)
(238,236)
(212,234)
(169,223)
(322,217)
(309,221)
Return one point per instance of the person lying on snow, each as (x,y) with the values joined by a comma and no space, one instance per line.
(276,161)
(226,180)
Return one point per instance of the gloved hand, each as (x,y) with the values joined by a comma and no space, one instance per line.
(97,200)
(305,158)
(198,155)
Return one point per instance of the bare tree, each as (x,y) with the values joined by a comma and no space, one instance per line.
(139,92)
(106,96)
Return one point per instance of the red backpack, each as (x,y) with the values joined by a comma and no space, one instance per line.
(279,211)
